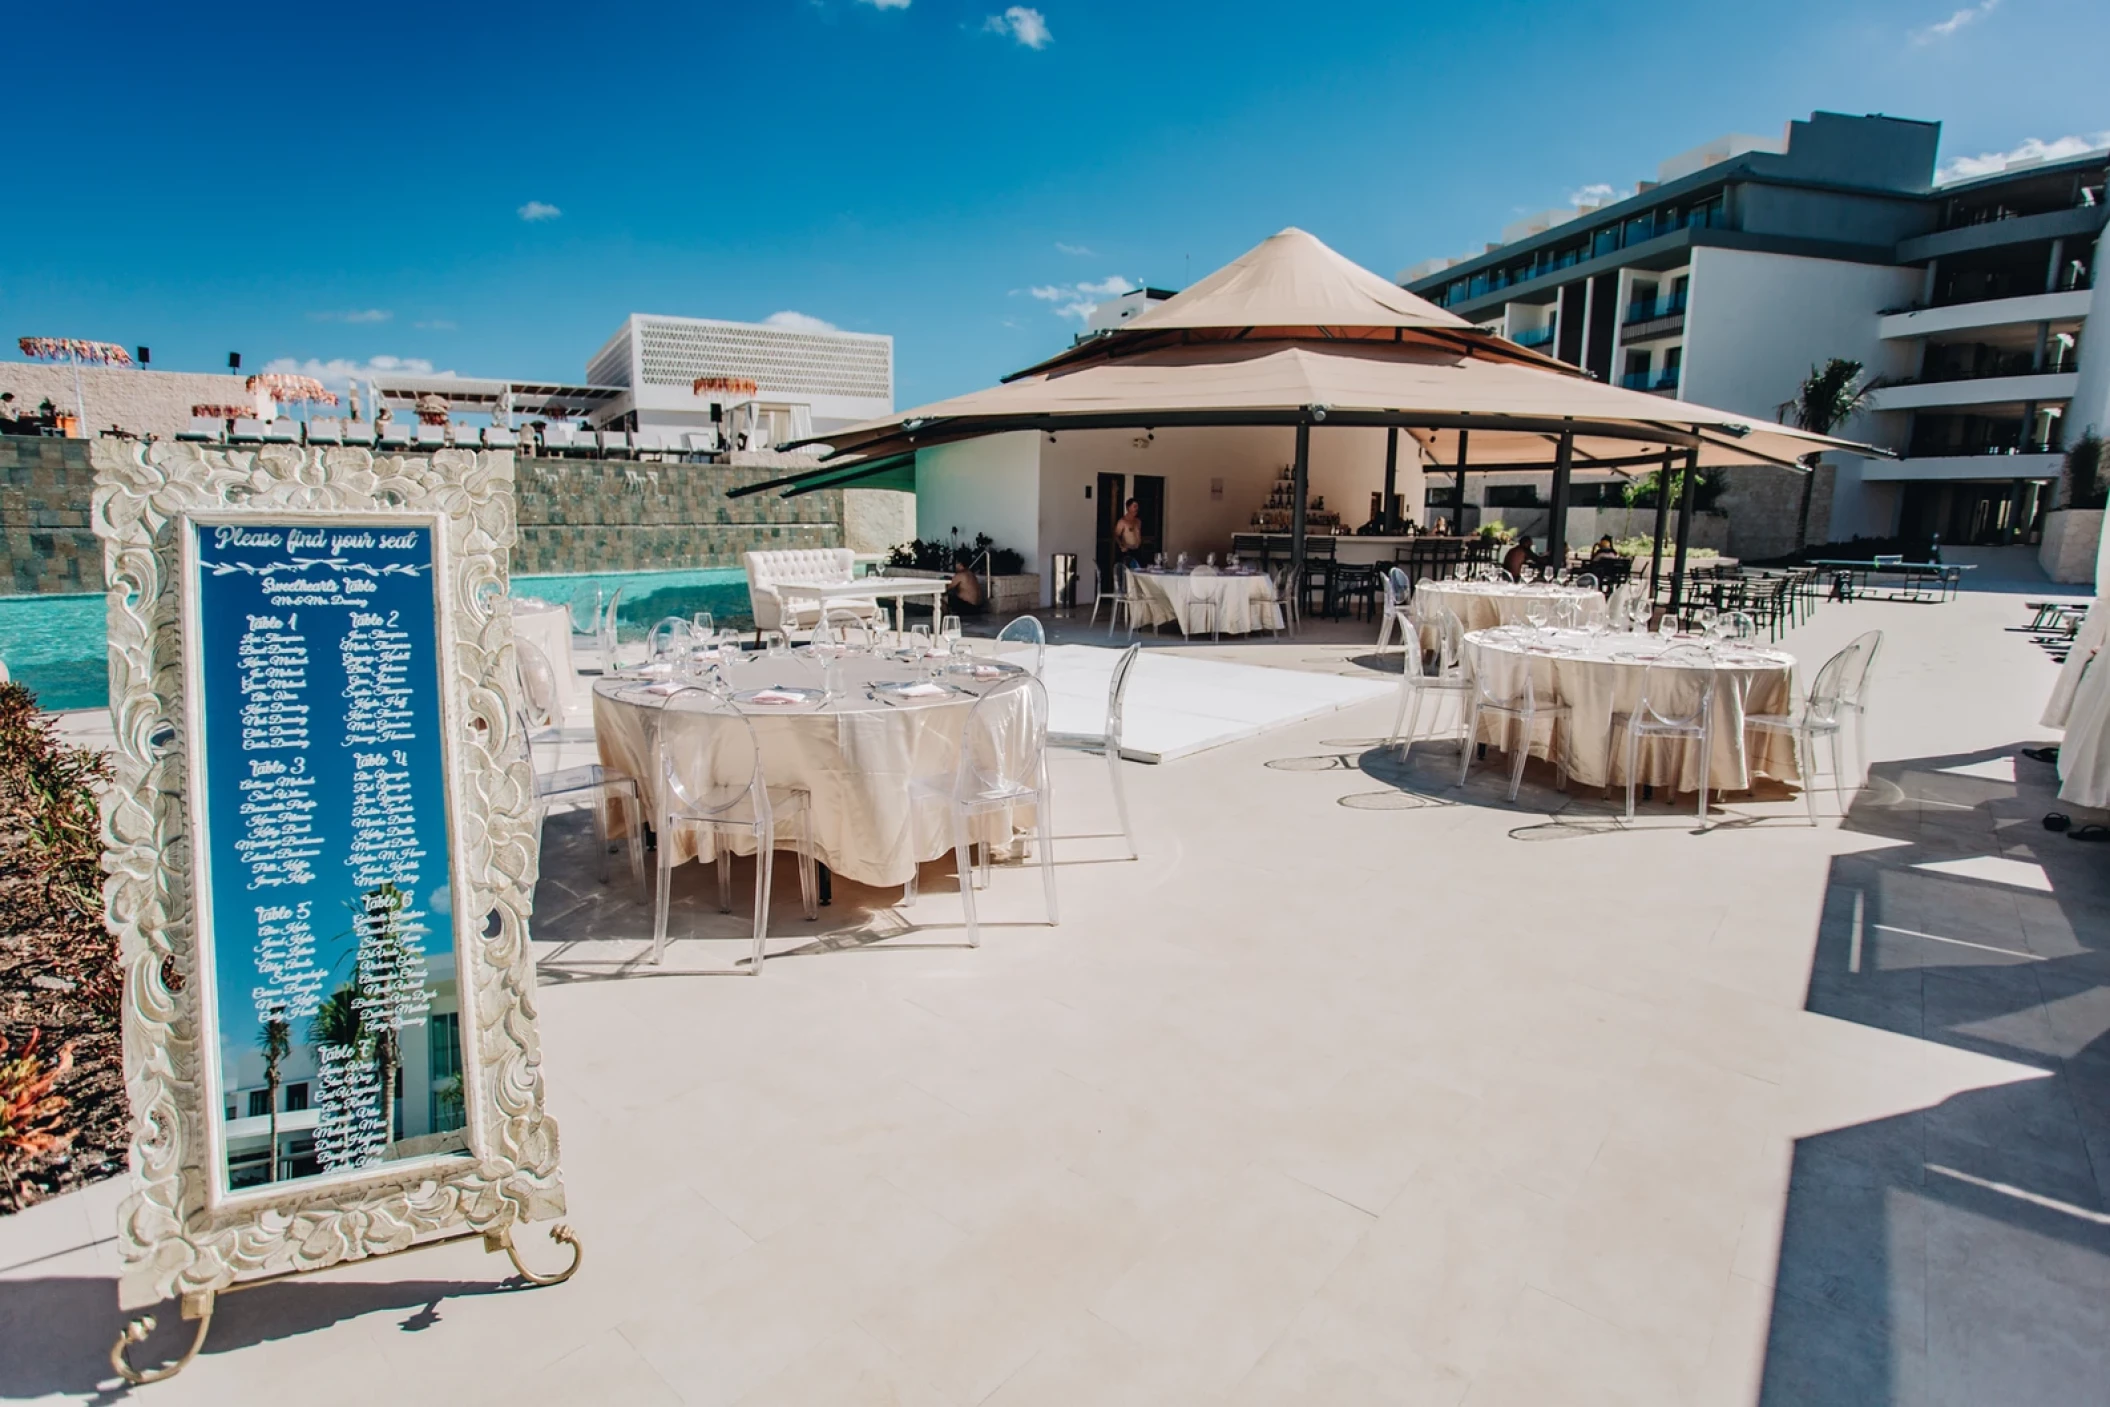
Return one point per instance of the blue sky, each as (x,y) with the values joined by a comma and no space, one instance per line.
(490,189)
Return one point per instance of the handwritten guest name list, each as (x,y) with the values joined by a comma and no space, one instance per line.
(327,818)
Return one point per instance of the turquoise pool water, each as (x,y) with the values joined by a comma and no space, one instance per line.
(54,644)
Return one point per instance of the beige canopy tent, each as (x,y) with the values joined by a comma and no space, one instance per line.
(1293,334)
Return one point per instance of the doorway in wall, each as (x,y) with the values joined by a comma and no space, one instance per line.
(1113,492)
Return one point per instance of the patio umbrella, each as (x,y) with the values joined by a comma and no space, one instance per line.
(1294,334)
(75,351)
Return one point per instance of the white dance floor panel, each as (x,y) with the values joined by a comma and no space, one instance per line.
(1179,706)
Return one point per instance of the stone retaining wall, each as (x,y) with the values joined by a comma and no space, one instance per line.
(575,515)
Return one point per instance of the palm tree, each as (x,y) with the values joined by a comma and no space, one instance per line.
(276,1042)
(1827,398)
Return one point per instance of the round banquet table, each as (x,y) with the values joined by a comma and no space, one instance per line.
(547,626)
(1245,601)
(1482,605)
(1600,675)
(853,755)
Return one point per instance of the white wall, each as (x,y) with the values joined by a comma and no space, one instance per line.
(990,485)
(1756,323)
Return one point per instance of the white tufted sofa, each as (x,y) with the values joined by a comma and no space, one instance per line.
(815,564)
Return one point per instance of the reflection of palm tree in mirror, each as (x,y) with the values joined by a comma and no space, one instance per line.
(276,1042)
(366,1015)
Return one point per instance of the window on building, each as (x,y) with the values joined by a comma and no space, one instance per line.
(259,1103)
(448,1110)
(1604,242)
(1704,214)
(1639,228)
(1511,496)
(1641,302)
(296,1097)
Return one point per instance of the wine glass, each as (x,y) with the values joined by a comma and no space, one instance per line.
(951,628)
(1668,626)
(919,639)
(706,629)
(1535,612)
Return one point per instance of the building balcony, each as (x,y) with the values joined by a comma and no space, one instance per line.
(1533,337)
(1653,309)
(1659,382)
(2038,464)
(2042,387)
(1991,312)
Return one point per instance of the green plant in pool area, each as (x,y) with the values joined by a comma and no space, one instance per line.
(1495,530)
(2084,473)
(1639,546)
(49,797)
(949,555)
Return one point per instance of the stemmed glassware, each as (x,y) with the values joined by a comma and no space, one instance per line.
(919,640)
(1535,612)
(950,628)
(706,630)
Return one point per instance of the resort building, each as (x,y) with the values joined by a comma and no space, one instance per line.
(806,380)
(1750,260)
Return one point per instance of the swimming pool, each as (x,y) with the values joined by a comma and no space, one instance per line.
(55,644)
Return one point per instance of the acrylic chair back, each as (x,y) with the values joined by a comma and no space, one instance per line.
(586,611)
(1667,689)
(1117,698)
(538,686)
(709,760)
(608,629)
(1028,642)
(1854,688)
(671,636)
(1831,690)
(1003,747)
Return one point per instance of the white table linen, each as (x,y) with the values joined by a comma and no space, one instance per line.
(855,757)
(2093,634)
(1482,605)
(1600,675)
(1244,601)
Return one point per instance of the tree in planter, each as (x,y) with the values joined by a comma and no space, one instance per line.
(2084,473)
(1827,398)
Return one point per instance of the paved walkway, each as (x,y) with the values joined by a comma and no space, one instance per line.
(1357,1088)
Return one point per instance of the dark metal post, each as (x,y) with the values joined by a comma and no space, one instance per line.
(1458,508)
(1655,561)
(1300,481)
(1677,571)
(1391,515)
(1557,518)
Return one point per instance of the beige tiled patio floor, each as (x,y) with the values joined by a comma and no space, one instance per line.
(1356,1089)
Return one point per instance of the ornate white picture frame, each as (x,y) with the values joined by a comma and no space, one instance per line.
(182,1232)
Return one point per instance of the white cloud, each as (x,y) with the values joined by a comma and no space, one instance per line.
(353,315)
(1963,168)
(886,4)
(1079,300)
(340,370)
(1969,14)
(536,210)
(1026,26)
(1062,248)
(1597,193)
(800,322)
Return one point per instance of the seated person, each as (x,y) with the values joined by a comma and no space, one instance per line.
(1520,558)
(963,596)
(1605,547)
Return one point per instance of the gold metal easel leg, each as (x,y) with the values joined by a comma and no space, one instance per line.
(563,1235)
(198,1307)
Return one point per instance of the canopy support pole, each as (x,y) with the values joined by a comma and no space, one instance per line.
(1655,561)
(1557,517)
(1458,508)
(1300,482)
(1677,571)
(1390,516)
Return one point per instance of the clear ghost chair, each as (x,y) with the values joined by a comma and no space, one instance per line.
(1524,708)
(1442,673)
(1821,716)
(540,709)
(1285,601)
(586,617)
(671,636)
(1583,579)
(1669,678)
(709,765)
(1003,765)
(1029,642)
(1853,696)
(1108,743)
(1500,576)
(1398,591)
(608,628)
(846,627)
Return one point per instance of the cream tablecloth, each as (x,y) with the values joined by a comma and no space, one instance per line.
(854,757)
(547,626)
(1482,605)
(1598,676)
(1245,601)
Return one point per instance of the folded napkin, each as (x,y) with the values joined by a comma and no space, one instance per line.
(775,696)
(924,690)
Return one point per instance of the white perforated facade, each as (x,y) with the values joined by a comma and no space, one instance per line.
(825,378)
